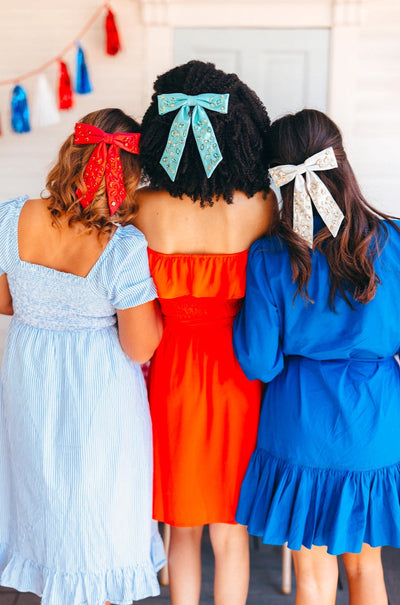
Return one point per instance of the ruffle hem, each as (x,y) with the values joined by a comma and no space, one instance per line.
(120,586)
(304,506)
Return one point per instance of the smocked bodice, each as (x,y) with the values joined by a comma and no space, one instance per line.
(49,299)
(199,288)
(191,310)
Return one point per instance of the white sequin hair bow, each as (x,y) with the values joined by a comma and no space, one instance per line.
(312,188)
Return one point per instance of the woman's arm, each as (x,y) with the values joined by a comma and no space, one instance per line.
(140,330)
(257,327)
(6,306)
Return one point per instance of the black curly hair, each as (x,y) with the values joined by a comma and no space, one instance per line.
(242,136)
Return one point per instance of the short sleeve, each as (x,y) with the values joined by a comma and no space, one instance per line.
(9,212)
(257,330)
(126,273)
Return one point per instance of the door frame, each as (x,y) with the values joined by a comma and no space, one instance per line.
(342,17)
(287,67)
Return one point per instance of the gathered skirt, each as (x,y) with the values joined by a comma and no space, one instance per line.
(326,470)
(75,469)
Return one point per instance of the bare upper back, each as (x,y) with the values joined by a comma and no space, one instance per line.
(173,225)
(68,249)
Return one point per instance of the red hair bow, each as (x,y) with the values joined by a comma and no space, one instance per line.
(105,162)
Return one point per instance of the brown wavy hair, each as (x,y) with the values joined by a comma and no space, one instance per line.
(363,232)
(67,176)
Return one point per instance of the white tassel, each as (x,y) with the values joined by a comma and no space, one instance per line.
(44,109)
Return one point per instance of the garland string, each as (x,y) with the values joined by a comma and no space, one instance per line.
(83,31)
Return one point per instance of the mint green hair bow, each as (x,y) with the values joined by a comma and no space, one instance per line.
(202,129)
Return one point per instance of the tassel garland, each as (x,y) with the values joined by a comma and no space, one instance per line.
(46,103)
(82,83)
(20,110)
(113,45)
(44,110)
(65,94)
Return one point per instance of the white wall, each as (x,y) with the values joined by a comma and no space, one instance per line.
(365,78)
(375,136)
(33,32)
(364,68)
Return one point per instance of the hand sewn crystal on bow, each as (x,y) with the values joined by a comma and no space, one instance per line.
(105,162)
(310,189)
(202,129)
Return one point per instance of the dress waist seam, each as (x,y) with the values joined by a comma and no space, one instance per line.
(69,328)
(199,321)
(328,469)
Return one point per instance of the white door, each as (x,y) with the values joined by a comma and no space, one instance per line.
(288,68)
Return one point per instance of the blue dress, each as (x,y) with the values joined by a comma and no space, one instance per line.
(326,470)
(75,430)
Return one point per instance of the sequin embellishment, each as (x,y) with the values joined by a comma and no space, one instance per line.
(202,129)
(310,189)
(104,162)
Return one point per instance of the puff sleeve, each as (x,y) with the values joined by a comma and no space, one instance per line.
(126,274)
(9,212)
(257,329)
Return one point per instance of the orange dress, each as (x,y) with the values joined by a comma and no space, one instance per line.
(205,411)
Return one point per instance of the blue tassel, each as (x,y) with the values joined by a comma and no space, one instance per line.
(19,110)
(82,84)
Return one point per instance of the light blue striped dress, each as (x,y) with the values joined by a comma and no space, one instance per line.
(75,431)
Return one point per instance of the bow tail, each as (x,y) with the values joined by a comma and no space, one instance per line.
(116,192)
(177,136)
(204,135)
(93,174)
(327,208)
(303,223)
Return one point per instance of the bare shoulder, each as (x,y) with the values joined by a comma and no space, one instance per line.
(259,212)
(34,211)
(270,208)
(141,195)
(145,197)
(35,205)
(180,225)
(265,201)
(149,204)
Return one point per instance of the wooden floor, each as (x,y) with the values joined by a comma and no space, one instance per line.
(264,583)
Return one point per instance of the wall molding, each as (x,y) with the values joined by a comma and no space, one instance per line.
(347,12)
(343,18)
(155,12)
(257,13)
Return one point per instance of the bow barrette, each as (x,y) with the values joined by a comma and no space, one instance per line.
(316,191)
(105,162)
(202,129)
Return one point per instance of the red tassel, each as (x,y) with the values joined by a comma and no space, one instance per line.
(65,94)
(112,38)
